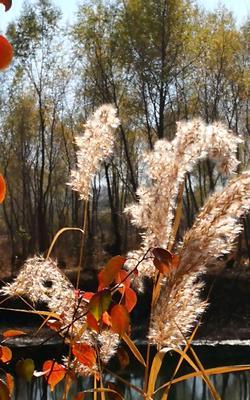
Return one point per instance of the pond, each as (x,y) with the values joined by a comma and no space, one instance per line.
(231,386)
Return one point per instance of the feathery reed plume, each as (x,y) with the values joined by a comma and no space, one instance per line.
(94,146)
(108,342)
(42,281)
(168,165)
(215,229)
(178,309)
(212,236)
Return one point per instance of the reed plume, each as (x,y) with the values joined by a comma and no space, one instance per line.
(215,229)
(93,147)
(167,167)
(42,281)
(178,309)
(213,235)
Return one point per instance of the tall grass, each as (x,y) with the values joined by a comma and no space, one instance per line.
(94,324)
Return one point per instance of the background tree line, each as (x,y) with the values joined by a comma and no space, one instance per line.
(158,61)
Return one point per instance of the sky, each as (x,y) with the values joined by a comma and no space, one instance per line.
(240,8)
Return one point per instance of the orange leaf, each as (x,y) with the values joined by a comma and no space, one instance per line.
(9,382)
(5,354)
(123,357)
(122,277)
(6,52)
(109,273)
(6,3)
(4,391)
(54,373)
(2,188)
(92,322)
(12,333)
(85,354)
(162,260)
(99,303)
(130,298)
(87,296)
(106,318)
(119,319)
(84,295)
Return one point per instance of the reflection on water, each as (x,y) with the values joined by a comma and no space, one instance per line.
(232,386)
(235,386)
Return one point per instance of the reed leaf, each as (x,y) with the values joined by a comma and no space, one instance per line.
(134,349)
(58,234)
(188,343)
(209,371)
(154,370)
(49,314)
(103,391)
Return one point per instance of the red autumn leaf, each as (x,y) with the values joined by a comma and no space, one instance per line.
(87,296)
(122,277)
(4,391)
(2,188)
(9,382)
(162,260)
(106,318)
(92,322)
(6,52)
(54,373)
(99,303)
(120,319)
(85,354)
(6,3)
(130,299)
(123,357)
(5,354)
(110,271)
(13,333)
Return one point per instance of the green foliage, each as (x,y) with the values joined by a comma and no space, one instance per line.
(37,23)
